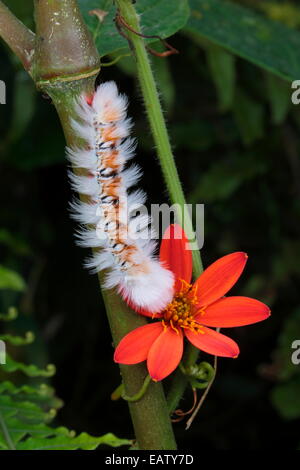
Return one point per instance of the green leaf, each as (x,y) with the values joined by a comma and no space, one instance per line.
(249,117)
(286,399)
(10,315)
(249,35)
(11,280)
(18,340)
(18,430)
(30,370)
(23,424)
(222,68)
(158,17)
(43,394)
(279,95)
(26,411)
(83,441)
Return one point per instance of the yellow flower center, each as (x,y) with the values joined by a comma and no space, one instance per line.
(181,311)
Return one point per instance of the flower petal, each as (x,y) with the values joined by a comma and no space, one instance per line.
(176,255)
(134,347)
(219,277)
(145,313)
(212,342)
(234,311)
(142,311)
(165,354)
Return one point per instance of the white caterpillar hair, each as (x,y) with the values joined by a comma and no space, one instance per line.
(122,243)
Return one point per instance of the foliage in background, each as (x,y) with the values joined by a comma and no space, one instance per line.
(27,410)
(161,18)
(286,395)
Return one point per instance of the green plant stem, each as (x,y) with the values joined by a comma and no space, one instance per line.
(180,381)
(166,159)
(158,124)
(150,414)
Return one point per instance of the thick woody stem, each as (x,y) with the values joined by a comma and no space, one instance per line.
(64,48)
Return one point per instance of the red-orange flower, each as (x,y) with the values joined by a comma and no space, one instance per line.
(194,308)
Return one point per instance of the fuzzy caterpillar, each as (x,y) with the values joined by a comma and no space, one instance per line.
(121,242)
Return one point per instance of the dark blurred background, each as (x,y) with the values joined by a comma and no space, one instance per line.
(242,161)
